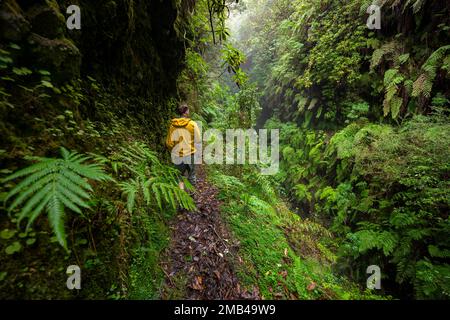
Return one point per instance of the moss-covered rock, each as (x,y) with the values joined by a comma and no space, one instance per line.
(46,19)
(13,25)
(60,56)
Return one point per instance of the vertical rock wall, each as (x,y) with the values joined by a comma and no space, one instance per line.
(131,44)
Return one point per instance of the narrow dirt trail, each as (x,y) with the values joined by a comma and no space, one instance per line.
(203,252)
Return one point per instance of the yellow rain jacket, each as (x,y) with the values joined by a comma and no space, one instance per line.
(185,134)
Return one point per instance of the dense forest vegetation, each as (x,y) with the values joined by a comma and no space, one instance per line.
(86,178)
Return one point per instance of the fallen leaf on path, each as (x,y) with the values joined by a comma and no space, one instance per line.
(198,283)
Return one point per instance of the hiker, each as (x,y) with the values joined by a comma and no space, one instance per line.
(183,140)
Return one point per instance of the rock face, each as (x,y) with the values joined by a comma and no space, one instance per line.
(131,43)
(135,41)
(39,29)
(60,56)
(13,25)
(46,20)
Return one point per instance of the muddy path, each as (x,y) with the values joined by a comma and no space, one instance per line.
(200,262)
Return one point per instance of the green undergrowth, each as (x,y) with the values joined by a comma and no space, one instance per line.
(146,276)
(383,192)
(285,256)
(118,251)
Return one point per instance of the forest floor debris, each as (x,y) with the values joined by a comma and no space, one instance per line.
(203,251)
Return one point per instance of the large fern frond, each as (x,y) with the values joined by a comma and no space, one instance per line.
(392,102)
(51,185)
(424,83)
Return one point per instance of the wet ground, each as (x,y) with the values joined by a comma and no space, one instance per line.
(202,252)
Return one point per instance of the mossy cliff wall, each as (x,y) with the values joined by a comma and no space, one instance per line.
(130,47)
(91,90)
(124,41)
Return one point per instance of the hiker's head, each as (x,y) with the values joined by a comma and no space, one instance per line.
(183,110)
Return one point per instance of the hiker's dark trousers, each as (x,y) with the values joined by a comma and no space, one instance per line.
(187,166)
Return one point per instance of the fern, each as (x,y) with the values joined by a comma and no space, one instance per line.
(229,183)
(302,193)
(52,185)
(395,106)
(130,188)
(432,280)
(446,64)
(392,103)
(424,83)
(267,188)
(438,252)
(415,4)
(313,228)
(369,239)
(389,51)
(151,181)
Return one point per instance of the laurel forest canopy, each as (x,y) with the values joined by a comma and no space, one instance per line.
(363,117)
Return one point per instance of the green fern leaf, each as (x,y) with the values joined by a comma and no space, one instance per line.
(52,185)
(56,217)
(424,83)
(396,104)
